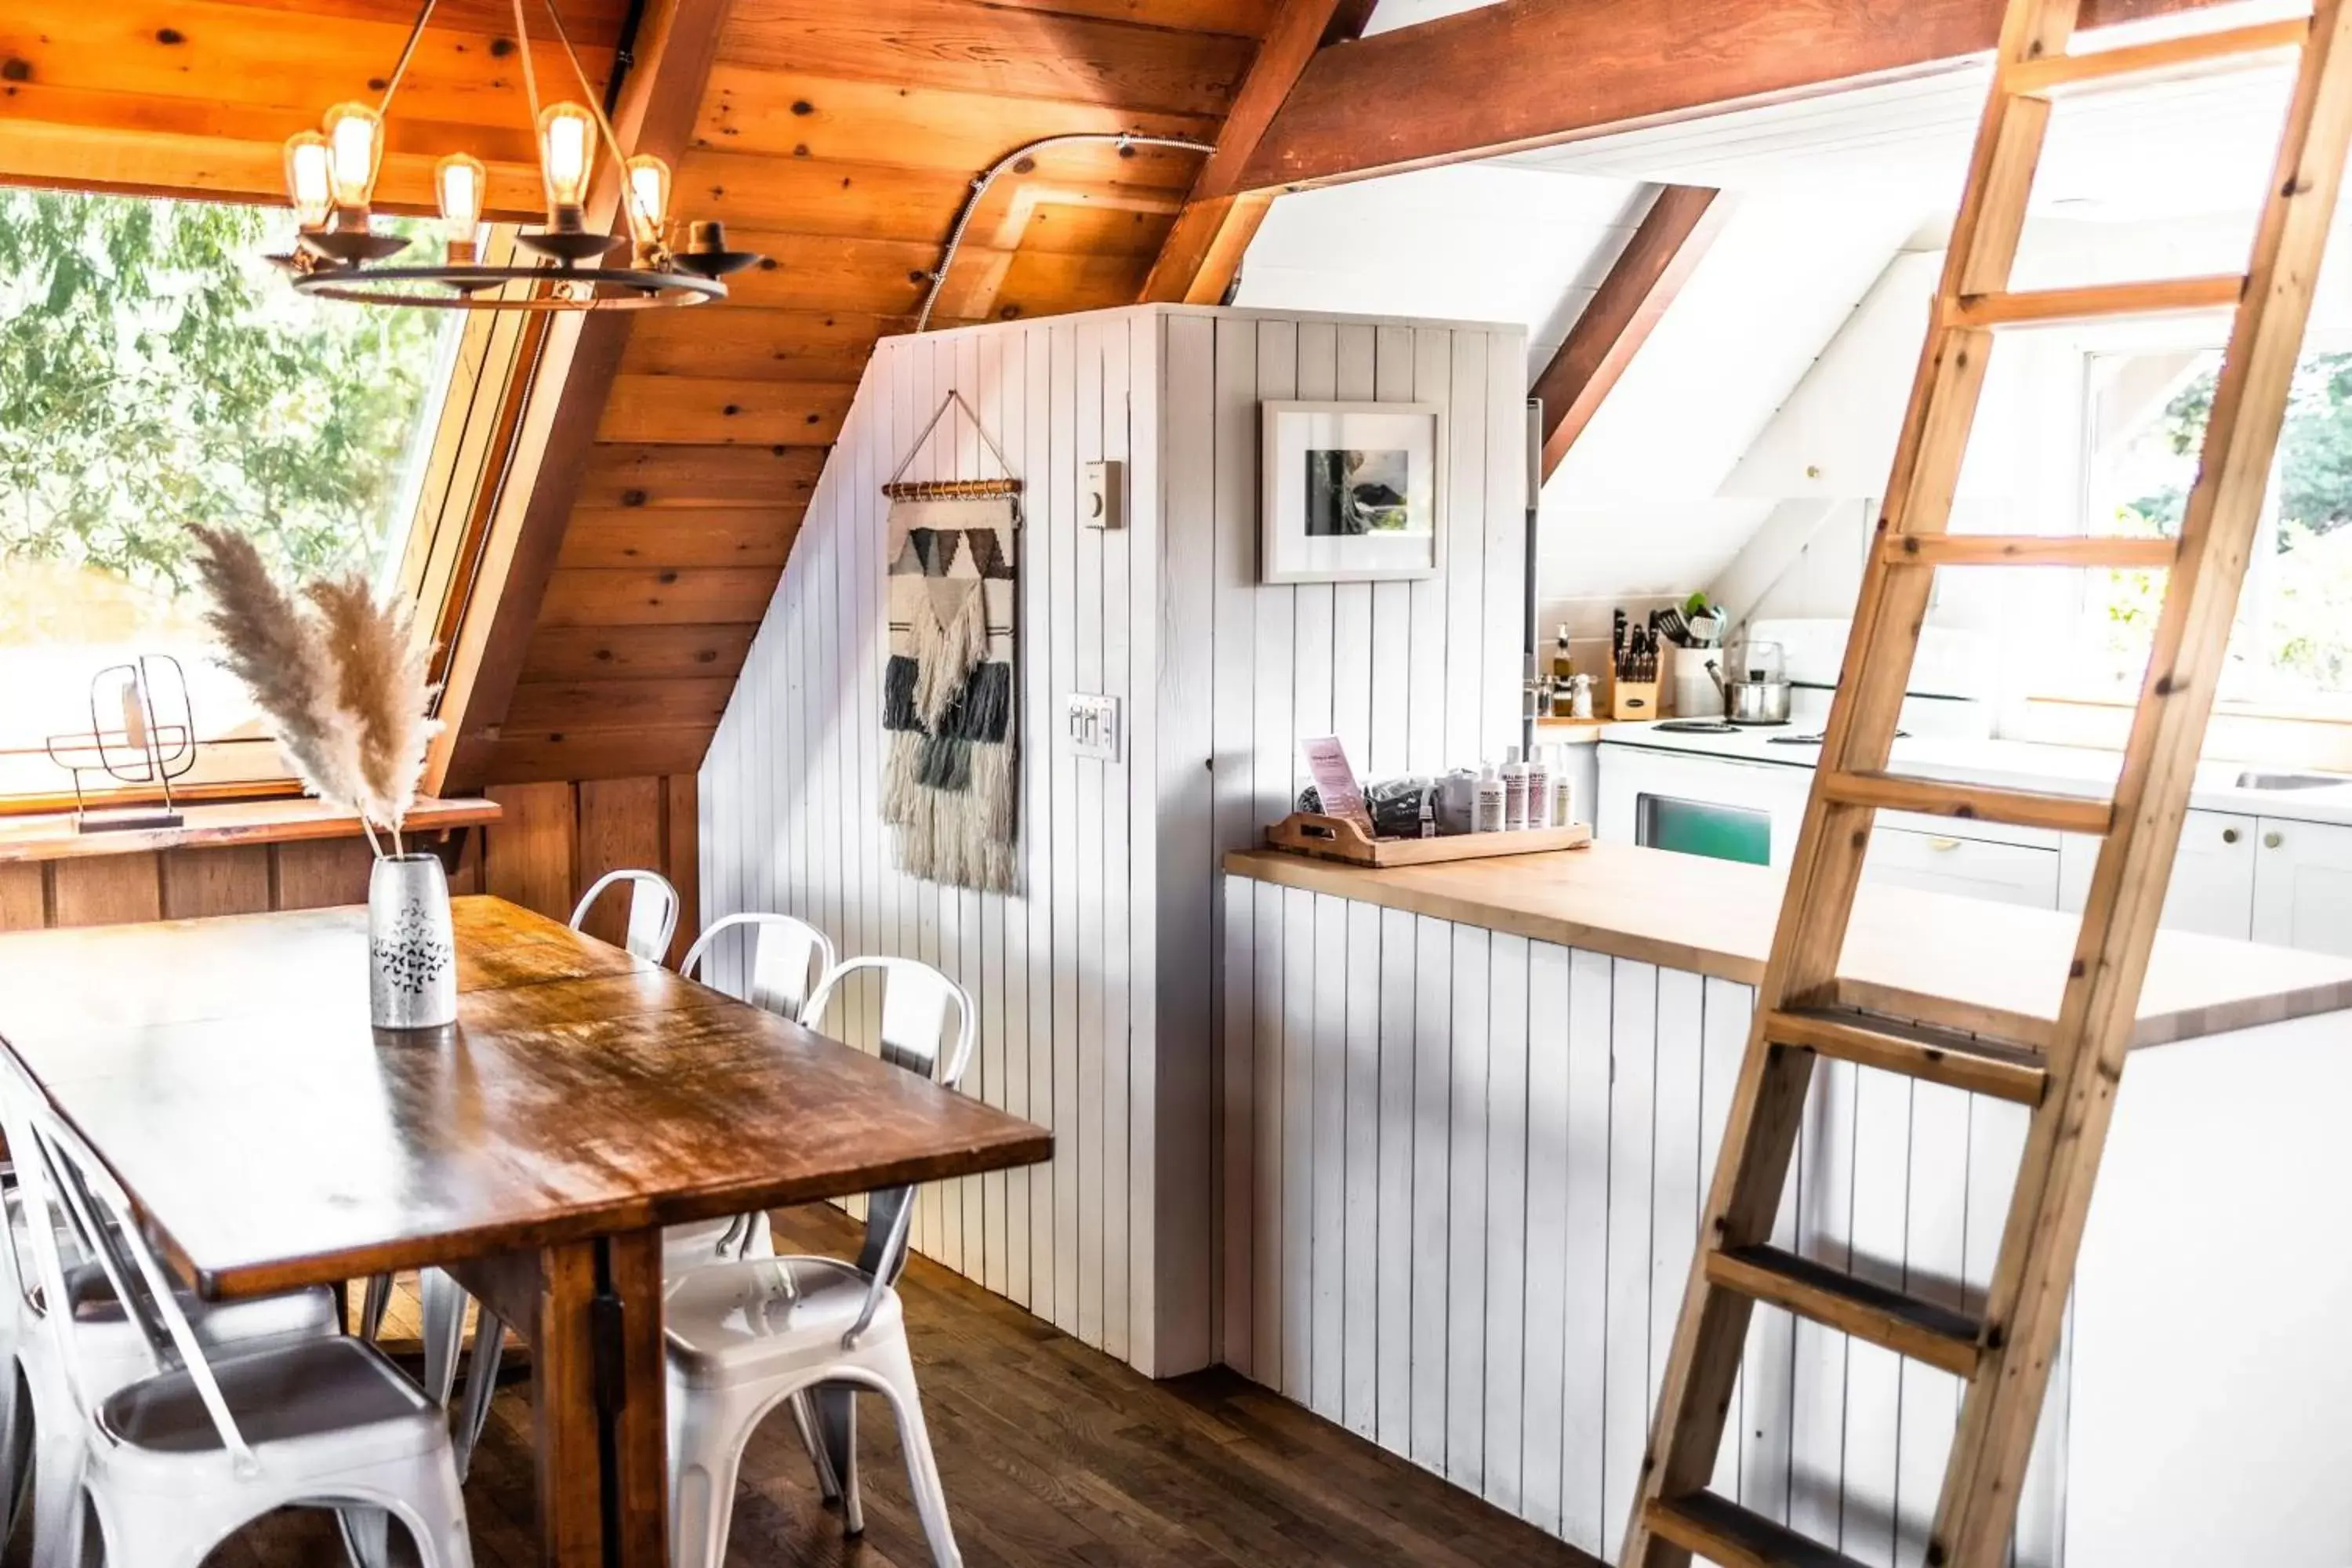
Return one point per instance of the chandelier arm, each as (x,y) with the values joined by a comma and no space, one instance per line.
(407,53)
(595,102)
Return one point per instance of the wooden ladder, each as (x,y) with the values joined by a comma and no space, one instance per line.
(2069,1077)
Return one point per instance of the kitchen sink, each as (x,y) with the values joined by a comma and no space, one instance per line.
(2254,778)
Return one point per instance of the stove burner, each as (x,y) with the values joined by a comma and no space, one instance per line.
(1697,727)
(1816,739)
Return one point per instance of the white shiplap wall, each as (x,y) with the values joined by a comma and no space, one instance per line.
(1480,1163)
(1095,984)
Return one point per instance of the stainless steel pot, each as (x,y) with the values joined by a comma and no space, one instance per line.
(1750,701)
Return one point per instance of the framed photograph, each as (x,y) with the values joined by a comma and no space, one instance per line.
(1354,492)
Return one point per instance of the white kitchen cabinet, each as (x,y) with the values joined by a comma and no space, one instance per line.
(2212,889)
(1969,867)
(2303,886)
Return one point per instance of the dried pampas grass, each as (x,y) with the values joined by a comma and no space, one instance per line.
(342,678)
(379,683)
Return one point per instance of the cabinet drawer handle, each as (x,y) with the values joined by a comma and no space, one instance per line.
(2229,835)
(1943,843)
(2272,840)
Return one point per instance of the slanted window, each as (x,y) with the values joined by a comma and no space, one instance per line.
(2290,649)
(155,372)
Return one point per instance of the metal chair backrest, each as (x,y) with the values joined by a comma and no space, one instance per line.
(916,1002)
(653,912)
(28,1275)
(789,957)
(99,1213)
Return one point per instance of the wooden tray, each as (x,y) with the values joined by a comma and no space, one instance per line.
(1338,838)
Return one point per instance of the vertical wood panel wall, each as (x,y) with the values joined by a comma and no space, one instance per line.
(1479,1164)
(1097,984)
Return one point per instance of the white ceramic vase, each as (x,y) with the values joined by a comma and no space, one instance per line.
(412,950)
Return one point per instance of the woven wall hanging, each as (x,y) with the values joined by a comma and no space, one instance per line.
(951,781)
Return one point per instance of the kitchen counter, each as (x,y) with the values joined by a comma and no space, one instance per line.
(2019,764)
(2004,966)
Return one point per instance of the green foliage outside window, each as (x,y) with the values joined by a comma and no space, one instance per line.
(2299,638)
(155,373)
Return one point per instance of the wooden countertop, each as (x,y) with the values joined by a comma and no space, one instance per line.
(52,838)
(2005,967)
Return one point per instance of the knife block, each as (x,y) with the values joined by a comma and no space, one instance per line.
(1633,700)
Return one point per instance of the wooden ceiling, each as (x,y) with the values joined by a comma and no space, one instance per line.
(184,97)
(838,139)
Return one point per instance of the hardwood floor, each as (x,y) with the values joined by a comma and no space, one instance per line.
(1053,1455)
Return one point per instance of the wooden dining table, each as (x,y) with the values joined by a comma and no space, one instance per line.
(270,1138)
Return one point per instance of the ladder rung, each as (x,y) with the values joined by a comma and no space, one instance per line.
(2031,78)
(2028,550)
(1904,1324)
(1979,803)
(2041,307)
(1996,1068)
(1724,1532)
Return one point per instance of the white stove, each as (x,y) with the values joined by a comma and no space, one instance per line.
(1737,792)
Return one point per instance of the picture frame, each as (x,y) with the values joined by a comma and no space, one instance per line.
(1353,492)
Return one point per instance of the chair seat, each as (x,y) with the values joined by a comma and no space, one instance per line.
(296,1314)
(312,1388)
(766,1317)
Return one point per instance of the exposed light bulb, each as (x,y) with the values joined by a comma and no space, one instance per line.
(457,182)
(567,155)
(648,197)
(308,181)
(355,151)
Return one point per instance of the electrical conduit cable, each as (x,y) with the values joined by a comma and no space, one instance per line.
(980,190)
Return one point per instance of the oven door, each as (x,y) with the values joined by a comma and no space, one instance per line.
(1700,804)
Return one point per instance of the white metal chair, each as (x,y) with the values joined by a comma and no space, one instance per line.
(653,910)
(113,1347)
(172,1461)
(747,1336)
(789,958)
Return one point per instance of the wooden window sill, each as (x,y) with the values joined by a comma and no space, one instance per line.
(208,826)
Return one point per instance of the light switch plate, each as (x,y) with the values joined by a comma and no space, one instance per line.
(1101,502)
(1091,723)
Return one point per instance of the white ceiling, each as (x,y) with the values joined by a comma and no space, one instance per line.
(2141,182)
(1486,242)
(1391,15)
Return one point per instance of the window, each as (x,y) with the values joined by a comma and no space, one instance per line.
(156,372)
(2291,650)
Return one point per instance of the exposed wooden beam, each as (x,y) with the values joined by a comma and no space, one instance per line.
(1204,249)
(676,45)
(1530,73)
(1682,223)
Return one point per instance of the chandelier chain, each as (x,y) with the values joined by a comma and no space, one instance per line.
(530,73)
(588,91)
(407,53)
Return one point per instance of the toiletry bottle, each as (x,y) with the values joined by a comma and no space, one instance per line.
(1486,816)
(1563,789)
(1539,788)
(1515,793)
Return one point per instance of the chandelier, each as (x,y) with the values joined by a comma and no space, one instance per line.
(330,176)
